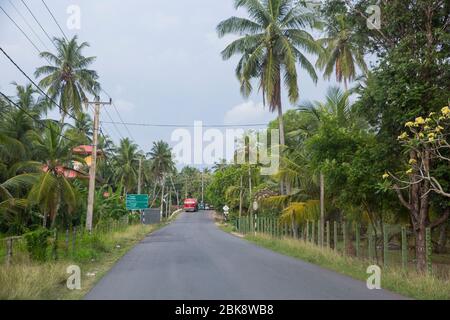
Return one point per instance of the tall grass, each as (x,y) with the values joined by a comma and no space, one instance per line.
(410,283)
(27,279)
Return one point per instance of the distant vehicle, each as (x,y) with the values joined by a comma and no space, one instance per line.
(207,206)
(201,206)
(190,205)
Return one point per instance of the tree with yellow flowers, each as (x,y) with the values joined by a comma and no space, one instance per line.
(426,141)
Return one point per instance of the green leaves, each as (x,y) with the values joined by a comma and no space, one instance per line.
(68,80)
(271,45)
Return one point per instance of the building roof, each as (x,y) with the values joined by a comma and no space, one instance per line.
(86,150)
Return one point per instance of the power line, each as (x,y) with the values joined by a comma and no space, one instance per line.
(109,116)
(14,22)
(189,125)
(37,21)
(120,117)
(39,88)
(35,118)
(29,26)
(54,19)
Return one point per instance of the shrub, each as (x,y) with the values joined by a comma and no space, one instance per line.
(37,243)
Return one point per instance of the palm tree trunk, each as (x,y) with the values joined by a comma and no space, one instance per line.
(175,190)
(282,140)
(250,205)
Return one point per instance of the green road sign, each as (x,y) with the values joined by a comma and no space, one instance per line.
(137,201)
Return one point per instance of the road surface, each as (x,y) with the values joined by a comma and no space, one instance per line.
(192,259)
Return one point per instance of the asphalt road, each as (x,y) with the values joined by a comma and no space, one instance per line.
(192,259)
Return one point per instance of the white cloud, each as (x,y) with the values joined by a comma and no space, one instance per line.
(248,113)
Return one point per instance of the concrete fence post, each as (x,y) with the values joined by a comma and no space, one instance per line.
(335,235)
(67,241)
(344,235)
(328,234)
(74,238)
(357,230)
(307,231)
(9,251)
(319,234)
(55,244)
(313,232)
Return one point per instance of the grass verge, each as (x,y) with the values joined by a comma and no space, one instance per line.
(409,284)
(26,279)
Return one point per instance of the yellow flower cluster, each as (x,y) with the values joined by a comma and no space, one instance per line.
(403,136)
(445,111)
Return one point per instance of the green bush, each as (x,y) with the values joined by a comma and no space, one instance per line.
(37,243)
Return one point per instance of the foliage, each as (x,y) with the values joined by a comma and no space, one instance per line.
(37,243)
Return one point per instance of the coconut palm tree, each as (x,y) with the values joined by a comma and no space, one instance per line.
(49,186)
(126,169)
(18,121)
(162,164)
(340,52)
(270,48)
(67,79)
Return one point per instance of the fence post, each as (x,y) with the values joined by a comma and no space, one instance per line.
(313,231)
(74,238)
(344,234)
(385,245)
(9,251)
(55,244)
(429,249)
(67,241)
(404,249)
(357,238)
(319,234)
(307,231)
(335,235)
(370,242)
(328,234)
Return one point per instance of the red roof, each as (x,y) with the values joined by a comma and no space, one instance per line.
(85,150)
(68,173)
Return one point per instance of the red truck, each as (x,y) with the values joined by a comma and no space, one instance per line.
(190,204)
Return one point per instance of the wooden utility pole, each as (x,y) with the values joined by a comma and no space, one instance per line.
(322,208)
(141,212)
(92,169)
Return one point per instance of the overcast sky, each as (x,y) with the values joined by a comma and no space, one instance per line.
(159,60)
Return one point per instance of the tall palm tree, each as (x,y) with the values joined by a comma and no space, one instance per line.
(67,79)
(49,186)
(126,170)
(340,52)
(271,47)
(162,164)
(161,159)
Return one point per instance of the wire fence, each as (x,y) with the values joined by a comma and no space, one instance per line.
(63,243)
(389,245)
